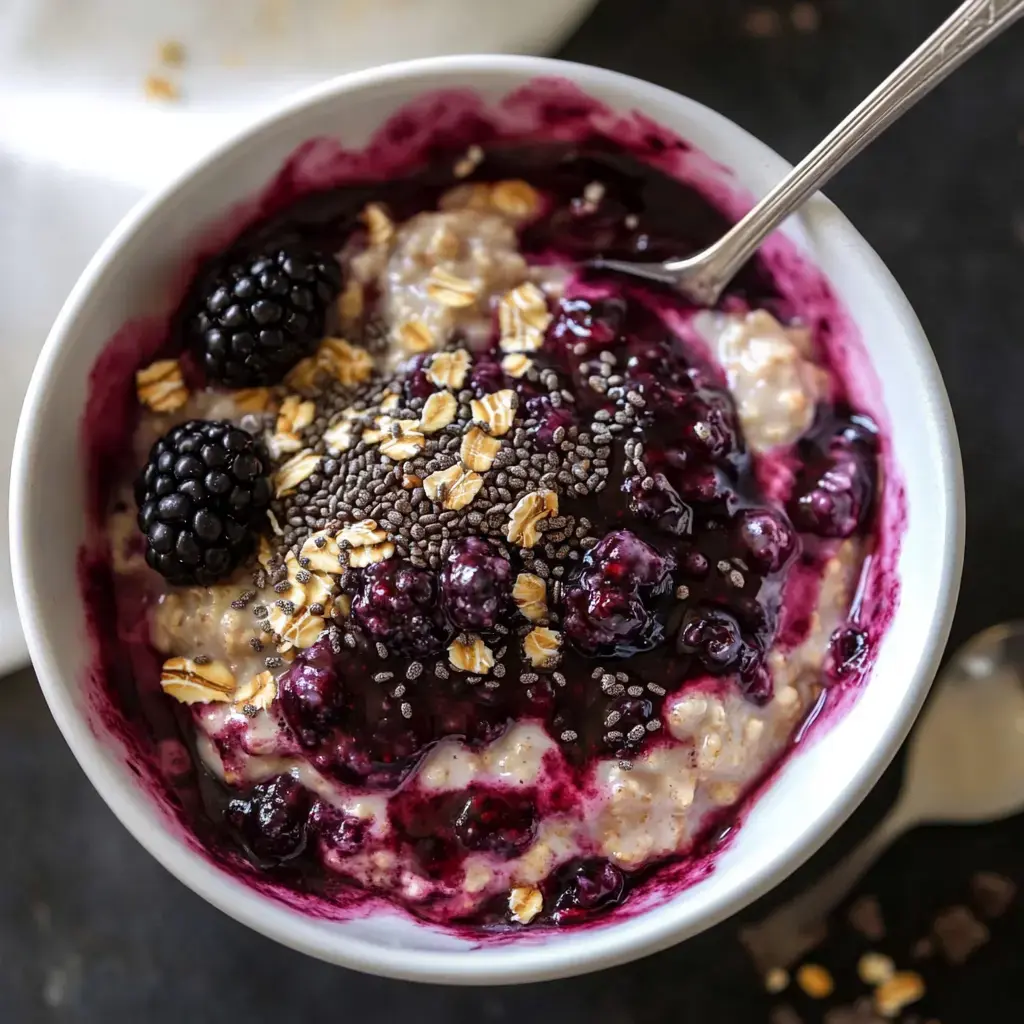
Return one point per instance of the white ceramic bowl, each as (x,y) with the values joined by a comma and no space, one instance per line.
(816,789)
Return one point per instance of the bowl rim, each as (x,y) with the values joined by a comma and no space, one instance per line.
(508,963)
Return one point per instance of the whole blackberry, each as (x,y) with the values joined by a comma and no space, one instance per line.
(258,319)
(201,496)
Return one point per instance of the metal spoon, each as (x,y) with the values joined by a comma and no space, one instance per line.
(701,278)
(965,765)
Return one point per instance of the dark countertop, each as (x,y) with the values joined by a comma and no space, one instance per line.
(92,930)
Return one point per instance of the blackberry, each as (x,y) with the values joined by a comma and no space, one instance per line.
(311,694)
(397,605)
(501,824)
(258,319)
(201,496)
(605,608)
(476,584)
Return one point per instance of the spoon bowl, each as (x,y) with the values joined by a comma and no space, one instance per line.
(966,758)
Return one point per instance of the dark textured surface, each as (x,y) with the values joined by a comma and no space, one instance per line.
(93,930)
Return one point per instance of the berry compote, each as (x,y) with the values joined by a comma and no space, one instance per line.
(547,567)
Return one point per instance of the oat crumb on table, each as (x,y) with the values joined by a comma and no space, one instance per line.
(160,89)
(875,968)
(900,991)
(171,53)
(815,980)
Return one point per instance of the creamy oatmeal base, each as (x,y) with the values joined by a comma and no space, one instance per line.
(436,287)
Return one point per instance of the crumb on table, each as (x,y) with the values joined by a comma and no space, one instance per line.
(171,53)
(160,89)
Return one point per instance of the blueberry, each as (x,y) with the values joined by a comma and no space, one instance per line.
(310,694)
(767,538)
(626,720)
(415,382)
(834,492)
(621,556)
(487,377)
(603,617)
(337,832)
(833,495)
(272,819)
(848,651)
(711,635)
(582,886)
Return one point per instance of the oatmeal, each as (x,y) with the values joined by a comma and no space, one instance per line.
(460,566)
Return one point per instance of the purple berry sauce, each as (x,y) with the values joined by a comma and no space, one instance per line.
(704,500)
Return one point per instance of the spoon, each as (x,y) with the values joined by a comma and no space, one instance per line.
(965,765)
(701,278)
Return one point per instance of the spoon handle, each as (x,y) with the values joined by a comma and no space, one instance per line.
(965,32)
(796,927)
